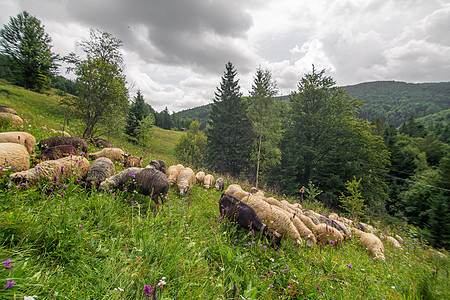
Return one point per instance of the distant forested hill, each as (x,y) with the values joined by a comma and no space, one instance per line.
(395,102)
(392,101)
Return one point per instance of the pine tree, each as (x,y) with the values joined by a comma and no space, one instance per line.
(138,111)
(27,48)
(229,136)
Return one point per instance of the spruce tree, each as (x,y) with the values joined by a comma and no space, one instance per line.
(230,131)
(27,49)
(138,111)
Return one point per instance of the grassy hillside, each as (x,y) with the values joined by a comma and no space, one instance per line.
(59,241)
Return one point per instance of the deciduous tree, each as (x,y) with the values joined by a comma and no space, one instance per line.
(101,82)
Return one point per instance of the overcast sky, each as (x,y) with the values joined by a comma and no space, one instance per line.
(175,51)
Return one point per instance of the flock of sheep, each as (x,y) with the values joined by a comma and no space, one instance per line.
(61,158)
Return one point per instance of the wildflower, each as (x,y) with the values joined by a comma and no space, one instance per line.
(170,223)
(271,285)
(23,183)
(7,263)
(289,287)
(262,276)
(271,272)
(9,284)
(349,265)
(272,260)
(148,290)
(222,269)
(282,271)
(81,226)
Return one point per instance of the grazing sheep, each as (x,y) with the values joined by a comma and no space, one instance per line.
(7,109)
(19,137)
(399,238)
(13,157)
(158,165)
(391,240)
(200,176)
(273,217)
(304,231)
(326,234)
(63,140)
(131,161)
(186,179)
(114,154)
(233,188)
(56,152)
(101,169)
(332,223)
(237,211)
(371,242)
(365,227)
(240,194)
(333,216)
(294,206)
(256,192)
(75,167)
(15,119)
(61,132)
(273,201)
(220,184)
(146,181)
(101,143)
(312,215)
(162,166)
(346,221)
(172,174)
(209,181)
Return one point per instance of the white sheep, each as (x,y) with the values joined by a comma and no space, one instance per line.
(60,132)
(200,176)
(19,137)
(325,234)
(371,242)
(233,188)
(273,217)
(15,119)
(14,157)
(208,181)
(186,179)
(172,173)
(76,167)
(114,154)
(391,240)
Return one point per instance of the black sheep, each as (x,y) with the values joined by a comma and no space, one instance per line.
(52,153)
(63,140)
(237,211)
(146,181)
(158,165)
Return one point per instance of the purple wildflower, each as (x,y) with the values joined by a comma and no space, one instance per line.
(7,264)
(9,284)
(271,285)
(148,290)
(262,276)
(170,223)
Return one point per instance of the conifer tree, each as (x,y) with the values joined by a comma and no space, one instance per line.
(229,135)
(27,48)
(138,111)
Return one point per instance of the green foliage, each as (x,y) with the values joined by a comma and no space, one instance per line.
(138,111)
(396,102)
(312,192)
(229,135)
(264,113)
(191,148)
(101,83)
(326,143)
(144,131)
(353,202)
(27,48)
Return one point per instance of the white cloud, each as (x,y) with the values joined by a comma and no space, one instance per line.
(176,51)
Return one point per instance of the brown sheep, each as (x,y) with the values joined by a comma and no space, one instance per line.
(131,161)
(56,152)
(63,140)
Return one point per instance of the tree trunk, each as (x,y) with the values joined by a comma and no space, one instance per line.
(259,155)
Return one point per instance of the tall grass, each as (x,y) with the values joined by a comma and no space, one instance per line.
(64,242)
